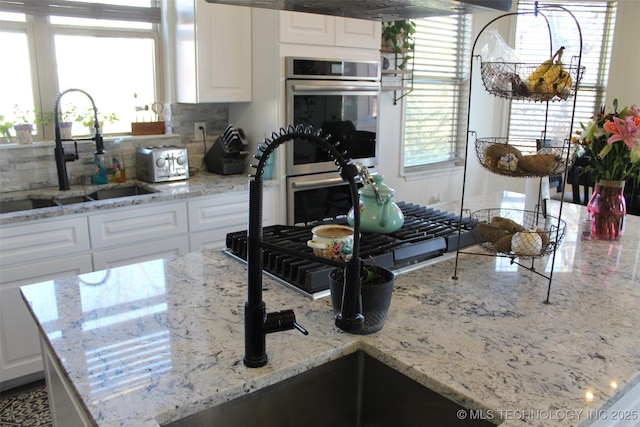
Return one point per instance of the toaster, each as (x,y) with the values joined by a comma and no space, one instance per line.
(162,164)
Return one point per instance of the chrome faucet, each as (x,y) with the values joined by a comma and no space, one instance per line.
(60,156)
(257,321)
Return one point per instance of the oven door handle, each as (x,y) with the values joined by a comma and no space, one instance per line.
(311,88)
(309,184)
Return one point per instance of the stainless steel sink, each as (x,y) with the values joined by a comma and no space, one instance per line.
(102,194)
(25,205)
(353,391)
(116,192)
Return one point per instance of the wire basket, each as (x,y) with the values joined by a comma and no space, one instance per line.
(510,80)
(517,233)
(520,158)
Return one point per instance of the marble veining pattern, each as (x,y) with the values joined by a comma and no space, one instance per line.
(153,342)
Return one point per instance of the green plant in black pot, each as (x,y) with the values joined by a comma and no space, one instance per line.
(377,287)
(397,36)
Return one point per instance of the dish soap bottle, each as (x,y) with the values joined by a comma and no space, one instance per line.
(118,171)
(100,168)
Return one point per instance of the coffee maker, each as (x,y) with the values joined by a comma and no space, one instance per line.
(228,153)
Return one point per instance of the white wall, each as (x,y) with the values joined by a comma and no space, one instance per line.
(625,57)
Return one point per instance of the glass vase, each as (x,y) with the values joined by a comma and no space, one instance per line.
(607,208)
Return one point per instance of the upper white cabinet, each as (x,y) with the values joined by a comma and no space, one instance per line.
(212,51)
(314,29)
(360,33)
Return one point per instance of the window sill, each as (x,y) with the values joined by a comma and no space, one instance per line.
(445,169)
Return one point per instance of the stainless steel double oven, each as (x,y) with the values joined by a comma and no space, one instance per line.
(341,98)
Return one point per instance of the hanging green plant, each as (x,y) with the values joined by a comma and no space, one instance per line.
(397,36)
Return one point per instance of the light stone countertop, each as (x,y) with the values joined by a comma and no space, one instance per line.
(153,342)
(201,184)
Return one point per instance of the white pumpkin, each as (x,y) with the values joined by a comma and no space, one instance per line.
(526,243)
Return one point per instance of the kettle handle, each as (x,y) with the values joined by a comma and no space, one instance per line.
(366,178)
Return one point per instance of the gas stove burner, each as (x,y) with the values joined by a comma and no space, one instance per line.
(427,233)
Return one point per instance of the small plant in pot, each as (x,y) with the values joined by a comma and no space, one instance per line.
(88,120)
(4,128)
(23,125)
(377,287)
(397,36)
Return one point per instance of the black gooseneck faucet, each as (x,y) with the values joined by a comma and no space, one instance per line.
(258,322)
(58,151)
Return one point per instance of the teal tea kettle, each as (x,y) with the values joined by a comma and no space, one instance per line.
(378,212)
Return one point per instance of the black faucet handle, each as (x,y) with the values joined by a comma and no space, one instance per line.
(282,321)
(300,328)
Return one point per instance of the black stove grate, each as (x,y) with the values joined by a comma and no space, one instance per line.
(427,233)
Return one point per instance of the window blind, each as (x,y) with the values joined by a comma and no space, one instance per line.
(78,9)
(533,45)
(433,108)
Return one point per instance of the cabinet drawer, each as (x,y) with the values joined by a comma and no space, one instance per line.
(43,239)
(123,227)
(224,211)
(56,268)
(130,254)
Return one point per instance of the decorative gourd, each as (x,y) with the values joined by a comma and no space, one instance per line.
(526,243)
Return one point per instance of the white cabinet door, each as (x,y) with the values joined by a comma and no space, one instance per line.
(33,252)
(122,227)
(212,218)
(65,408)
(307,28)
(213,52)
(43,239)
(19,347)
(131,253)
(360,33)
(314,29)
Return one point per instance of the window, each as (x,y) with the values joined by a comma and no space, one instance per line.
(108,48)
(596,19)
(434,108)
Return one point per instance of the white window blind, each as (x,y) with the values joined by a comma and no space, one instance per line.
(434,109)
(596,20)
(128,10)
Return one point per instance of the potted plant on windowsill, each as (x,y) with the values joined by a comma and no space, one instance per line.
(397,37)
(4,128)
(67,117)
(88,120)
(23,125)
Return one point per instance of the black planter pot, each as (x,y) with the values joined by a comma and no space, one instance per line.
(376,298)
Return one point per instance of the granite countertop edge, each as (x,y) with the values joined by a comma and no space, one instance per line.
(202,184)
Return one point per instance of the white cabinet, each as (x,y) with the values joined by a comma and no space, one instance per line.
(43,250)
(126,236)
(314,29)
(360,33)
(212,51)
(30,253)
(211,218)
(65,408)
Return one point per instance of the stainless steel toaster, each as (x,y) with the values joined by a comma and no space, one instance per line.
(162,164)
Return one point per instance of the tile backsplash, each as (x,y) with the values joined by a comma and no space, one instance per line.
(30,167)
